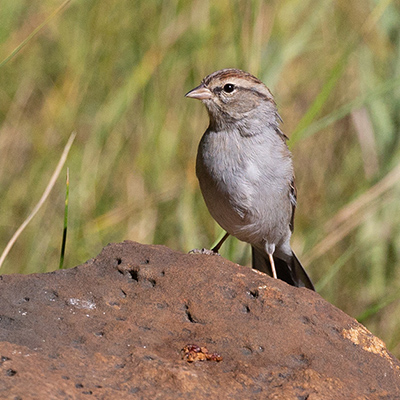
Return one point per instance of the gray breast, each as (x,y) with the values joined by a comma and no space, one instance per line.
(245,191)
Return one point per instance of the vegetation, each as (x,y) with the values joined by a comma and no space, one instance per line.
(116,72)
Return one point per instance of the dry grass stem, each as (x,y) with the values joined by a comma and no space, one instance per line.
(46,193)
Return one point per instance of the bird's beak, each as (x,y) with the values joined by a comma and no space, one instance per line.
(200,93)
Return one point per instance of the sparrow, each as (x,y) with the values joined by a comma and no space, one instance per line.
(245,171)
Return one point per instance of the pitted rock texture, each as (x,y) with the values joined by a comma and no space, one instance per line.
(114,328)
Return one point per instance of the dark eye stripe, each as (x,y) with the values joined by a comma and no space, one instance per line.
(217,90)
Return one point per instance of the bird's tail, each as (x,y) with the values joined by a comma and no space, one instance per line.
(294,274)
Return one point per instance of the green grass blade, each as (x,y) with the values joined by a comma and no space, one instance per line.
(391,85)
(374,309)
(46,193)
(64,238)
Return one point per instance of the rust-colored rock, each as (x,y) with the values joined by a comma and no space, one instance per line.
(115,327)
(192,352)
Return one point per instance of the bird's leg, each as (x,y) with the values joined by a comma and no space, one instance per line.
(271,260)
(216,248)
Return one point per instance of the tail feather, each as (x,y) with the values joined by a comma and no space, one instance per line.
(293,274)
(301,274)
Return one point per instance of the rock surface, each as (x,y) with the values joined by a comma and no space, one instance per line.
(114,328)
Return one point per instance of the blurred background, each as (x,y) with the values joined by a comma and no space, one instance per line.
(116,73)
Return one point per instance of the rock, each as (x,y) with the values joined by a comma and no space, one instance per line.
(122,326)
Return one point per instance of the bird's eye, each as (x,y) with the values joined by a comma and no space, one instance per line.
(229,88)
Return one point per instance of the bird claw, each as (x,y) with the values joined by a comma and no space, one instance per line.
(209,252)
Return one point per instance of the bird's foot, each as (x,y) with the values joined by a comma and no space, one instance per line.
(209,252)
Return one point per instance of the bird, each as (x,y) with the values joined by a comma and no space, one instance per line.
(245,171)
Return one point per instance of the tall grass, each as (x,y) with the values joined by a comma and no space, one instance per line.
(116,73)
